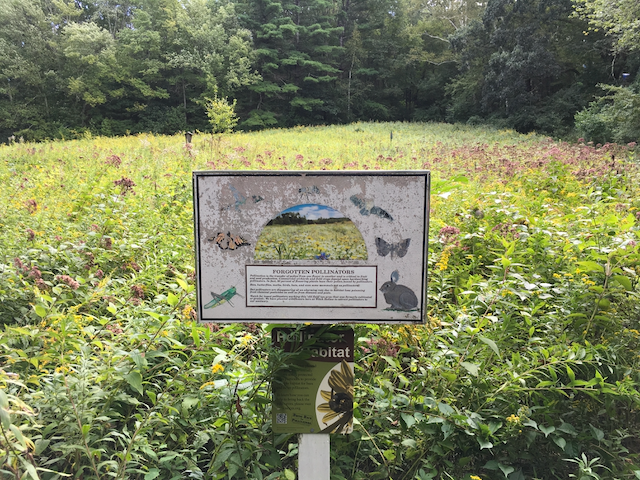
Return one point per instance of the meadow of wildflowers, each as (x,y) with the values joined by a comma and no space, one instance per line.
(527,366)
(337,241)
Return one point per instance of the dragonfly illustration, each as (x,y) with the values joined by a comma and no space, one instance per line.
(219,299)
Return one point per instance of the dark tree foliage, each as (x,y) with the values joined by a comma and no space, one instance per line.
(298,43)
(113,68)
(289,218)
(527,65)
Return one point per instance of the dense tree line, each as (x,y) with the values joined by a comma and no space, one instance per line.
(111,68)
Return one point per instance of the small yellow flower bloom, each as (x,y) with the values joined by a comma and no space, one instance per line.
(513,419)
(217,368)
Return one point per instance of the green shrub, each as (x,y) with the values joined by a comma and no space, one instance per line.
(614,117)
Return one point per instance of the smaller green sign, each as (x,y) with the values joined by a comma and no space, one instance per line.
(317,397)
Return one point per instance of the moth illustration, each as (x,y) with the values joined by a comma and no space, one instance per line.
(228,241)
(306,191)
(219,299)
(367,208)
(385,248)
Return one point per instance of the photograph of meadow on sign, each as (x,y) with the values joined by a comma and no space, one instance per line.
(528,366)
(310,232)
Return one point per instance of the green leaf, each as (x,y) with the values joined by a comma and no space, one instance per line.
(31,470)
(5,418)
(409,420)
(18,433)
(484,443)
(624,281)
(568,428)
(134,379)
(195,334)
(561,442)
(389,454)
(183,285)
(597,433)
(460,179)
(153,473)
(506,469)
(409,443)
(570,373)
(491,465)
(547,430)
(591,266)
(189,402)
(394,362)
(172,299)
(450,376)
(472,368)
(138,359)
(40,311)
(492,345)
(445,409)
(289,474)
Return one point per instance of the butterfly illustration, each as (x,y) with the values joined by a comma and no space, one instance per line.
(219,299)
(306,191)
(385,248)
(240,199)
(228,241)
(367,208)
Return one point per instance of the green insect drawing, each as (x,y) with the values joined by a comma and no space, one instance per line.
(219,299)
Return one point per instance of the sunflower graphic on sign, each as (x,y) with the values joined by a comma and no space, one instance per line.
(335,408)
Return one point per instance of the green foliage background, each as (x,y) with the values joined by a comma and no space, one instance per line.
(526,368)
(115,68)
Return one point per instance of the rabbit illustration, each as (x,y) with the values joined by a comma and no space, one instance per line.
(398,296)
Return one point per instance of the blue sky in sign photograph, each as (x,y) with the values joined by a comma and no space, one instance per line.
(313,211)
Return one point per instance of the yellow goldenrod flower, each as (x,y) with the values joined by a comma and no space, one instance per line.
(217,368)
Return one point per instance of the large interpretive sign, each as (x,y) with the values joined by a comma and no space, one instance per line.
(321,247)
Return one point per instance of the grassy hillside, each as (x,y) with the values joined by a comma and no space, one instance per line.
(527,367)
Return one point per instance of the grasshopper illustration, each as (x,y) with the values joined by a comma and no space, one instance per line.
(219,299)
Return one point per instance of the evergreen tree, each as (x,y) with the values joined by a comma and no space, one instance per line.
(298,48)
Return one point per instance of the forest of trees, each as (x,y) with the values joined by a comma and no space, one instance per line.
(107,67)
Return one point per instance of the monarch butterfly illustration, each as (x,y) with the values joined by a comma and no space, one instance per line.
(385,248)
(228,241)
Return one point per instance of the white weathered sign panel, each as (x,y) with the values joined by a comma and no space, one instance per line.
(322,247)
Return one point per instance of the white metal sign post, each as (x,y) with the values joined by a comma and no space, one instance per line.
(312,247)
(313,457)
